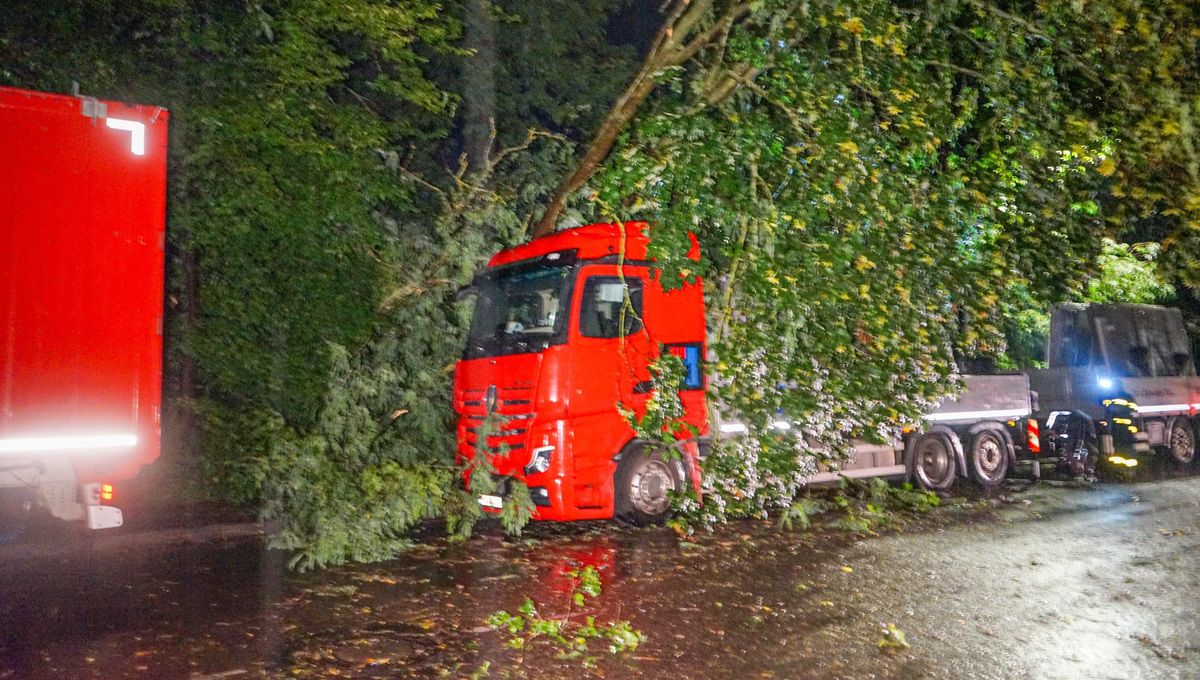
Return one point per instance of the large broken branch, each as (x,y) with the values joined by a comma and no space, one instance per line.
(680,38)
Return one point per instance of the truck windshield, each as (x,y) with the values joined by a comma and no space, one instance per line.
(518,310)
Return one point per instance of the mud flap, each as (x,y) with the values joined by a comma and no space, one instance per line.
(104,517)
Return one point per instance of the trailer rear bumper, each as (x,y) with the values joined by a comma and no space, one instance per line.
(57,488)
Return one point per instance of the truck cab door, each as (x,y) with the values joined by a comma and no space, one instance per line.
(612,329)
(610,357)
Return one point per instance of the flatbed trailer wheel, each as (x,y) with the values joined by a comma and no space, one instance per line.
(987,459)
(933,462)
(1182,446)
(643,482)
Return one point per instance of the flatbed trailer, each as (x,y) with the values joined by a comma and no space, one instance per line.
(980,435)
(1120,385)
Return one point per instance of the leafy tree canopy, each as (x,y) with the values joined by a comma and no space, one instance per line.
(874,183)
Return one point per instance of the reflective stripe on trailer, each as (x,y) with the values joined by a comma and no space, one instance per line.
(997,414)
(1169,408)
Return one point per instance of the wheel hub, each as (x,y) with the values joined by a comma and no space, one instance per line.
(649,487)
(934,460)
(990,456)
(1182,447)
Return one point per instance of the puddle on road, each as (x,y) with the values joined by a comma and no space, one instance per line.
(227,608)
(700,605)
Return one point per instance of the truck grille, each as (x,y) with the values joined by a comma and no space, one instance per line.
(513,404)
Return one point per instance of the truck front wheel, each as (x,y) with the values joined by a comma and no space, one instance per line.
(644,481)
(933,462)
(987,460)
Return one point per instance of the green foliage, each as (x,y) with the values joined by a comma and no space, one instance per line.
(558,65)
(876,504)
(1124,273)
(662,419)
(879,188)
(518,508)
(479,473)
(588,584)
(1128,273)
(893,639)
(567,634)
(873,506)
(799,515)
(344,492)
(1026,333)
(906,497)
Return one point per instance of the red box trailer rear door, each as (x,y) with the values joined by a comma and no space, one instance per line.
(82,214)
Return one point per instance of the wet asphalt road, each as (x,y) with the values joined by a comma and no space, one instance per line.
(1050,582)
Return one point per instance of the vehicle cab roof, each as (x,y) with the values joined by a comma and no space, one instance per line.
(590,242)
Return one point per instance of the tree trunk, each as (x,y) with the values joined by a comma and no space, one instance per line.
(479,85)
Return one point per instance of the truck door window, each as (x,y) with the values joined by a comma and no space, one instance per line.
(1071,339)
(611,308)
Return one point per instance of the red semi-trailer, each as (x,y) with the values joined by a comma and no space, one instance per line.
(82,225)
(566,327)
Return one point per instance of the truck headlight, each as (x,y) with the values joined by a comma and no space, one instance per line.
(540,460)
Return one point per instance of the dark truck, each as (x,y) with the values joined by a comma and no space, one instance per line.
(1120,382)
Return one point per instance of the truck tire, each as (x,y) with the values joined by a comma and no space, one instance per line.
(643,484)
(933,463)
(987,458)
(1181,446)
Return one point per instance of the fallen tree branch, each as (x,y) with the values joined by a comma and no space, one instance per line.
(670,47)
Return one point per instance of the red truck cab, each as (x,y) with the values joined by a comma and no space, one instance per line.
(565,328)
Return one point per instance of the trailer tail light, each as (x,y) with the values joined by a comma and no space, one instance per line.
(1033,440)
(98,494)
